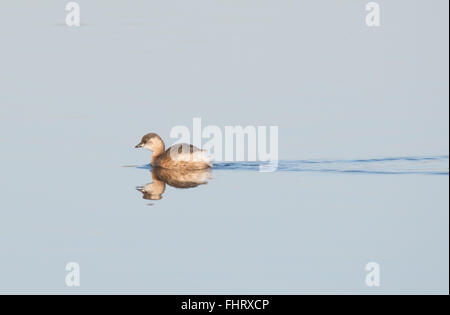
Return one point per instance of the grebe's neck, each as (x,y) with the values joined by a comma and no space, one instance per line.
(158,149)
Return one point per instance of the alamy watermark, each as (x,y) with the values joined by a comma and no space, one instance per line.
(373,17)
(373,277)
(73,275)
(232,144)
(73,15)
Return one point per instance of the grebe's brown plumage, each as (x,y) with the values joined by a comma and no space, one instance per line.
(178,178)
(179,156)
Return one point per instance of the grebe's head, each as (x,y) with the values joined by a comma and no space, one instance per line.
(152,142)
(152,191)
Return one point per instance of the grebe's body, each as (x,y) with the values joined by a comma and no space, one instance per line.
(178,178)
(179,156)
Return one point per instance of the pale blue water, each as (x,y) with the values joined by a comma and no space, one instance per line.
(310,227)
(364,142)
(426,165)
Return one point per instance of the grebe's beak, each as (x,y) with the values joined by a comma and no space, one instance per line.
(140,145)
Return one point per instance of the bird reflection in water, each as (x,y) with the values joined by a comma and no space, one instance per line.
(177,178)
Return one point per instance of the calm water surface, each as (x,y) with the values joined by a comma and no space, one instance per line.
(310,227)
(75,101)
